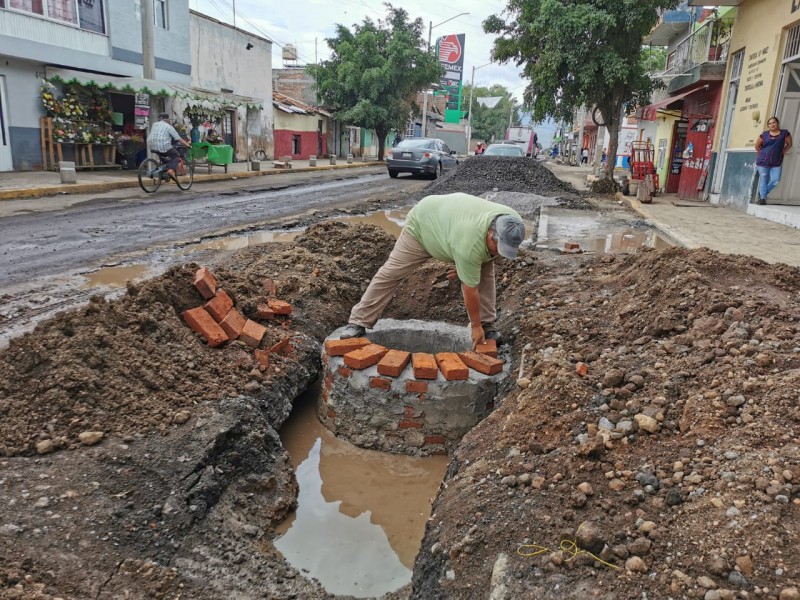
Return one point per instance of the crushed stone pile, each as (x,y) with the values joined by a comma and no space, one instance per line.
(479,174)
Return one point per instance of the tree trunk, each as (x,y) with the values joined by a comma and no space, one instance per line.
(381,133)
(613,142)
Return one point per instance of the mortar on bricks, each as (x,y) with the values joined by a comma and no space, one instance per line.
(404,414)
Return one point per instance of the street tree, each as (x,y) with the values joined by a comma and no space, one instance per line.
(375,71)
(579,53)
(487,123)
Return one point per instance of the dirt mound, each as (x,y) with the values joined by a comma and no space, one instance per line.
(131,366)
(676,454)
(480,174)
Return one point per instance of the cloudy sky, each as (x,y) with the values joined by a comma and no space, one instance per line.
(300,22)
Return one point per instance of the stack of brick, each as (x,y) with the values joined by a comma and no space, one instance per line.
(218,320)
(360,353)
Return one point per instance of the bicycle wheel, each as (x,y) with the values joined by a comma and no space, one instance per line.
(185,180)
(150,175)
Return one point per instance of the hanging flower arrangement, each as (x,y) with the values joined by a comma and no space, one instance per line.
(198,114)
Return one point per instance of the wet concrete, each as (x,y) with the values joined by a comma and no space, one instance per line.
(361,514)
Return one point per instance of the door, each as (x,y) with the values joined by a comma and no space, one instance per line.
(447,159)
(730,105)
(695,156)
(676,157)
(5,144)
(788,191)
(229,128)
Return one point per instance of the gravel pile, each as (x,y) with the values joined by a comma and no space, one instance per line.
(482,174)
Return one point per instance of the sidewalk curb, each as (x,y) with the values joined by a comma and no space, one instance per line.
(670,232)
(105,186)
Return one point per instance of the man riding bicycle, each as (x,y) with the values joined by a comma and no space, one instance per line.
(160,141)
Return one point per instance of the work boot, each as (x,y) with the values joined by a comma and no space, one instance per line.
(352,331)
(490,333)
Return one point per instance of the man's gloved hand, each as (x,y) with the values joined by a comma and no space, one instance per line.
(478,336)
(452,274)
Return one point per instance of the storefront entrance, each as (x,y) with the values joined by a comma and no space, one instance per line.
(5,143)
(788,192)
(676,157)
(697,153)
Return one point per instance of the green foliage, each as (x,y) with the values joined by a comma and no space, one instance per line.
(375,73)
(490,123)
(579,53)
(654,59)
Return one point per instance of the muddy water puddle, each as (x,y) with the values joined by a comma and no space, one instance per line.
(361,513)
(114,277)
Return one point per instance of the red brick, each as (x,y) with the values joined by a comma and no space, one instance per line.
(342,347)
(365,357)
(434,439)
(582,369)
(344,372)
(262,357)
(252,333)
(452,367)
(407,424)
(424,365)
(489,348)
(264,312)
(219,306)
(416,387)
(279,307)
(280,346)
(233,323)
(394,363)
(571,246)
(380,383)
(205,283)
(329,381)
(201,322)
(269,286)
(481,362)
(331,414)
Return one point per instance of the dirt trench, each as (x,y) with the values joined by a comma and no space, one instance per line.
(674,457)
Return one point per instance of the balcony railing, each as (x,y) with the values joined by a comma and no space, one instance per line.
(708,44)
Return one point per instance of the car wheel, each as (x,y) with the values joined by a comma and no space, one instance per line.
(392,173)
(438,172)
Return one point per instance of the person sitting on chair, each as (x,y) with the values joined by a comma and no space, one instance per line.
(160,141)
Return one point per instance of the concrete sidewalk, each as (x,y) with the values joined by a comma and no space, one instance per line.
(31,184)
(700,224)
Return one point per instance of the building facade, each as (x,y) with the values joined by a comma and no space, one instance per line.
(762,80)
(99,37)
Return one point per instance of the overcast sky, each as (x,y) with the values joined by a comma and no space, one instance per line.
(300,22)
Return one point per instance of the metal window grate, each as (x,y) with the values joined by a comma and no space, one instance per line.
(737,61)
(792,50)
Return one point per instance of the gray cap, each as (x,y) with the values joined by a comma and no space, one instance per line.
(510,233)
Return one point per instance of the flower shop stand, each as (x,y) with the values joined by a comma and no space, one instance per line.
(83,154)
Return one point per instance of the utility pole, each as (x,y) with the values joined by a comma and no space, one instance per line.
(148,51)
(234,14)
(469,106)
(582,121)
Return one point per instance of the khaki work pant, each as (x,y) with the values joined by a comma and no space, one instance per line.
(407,255)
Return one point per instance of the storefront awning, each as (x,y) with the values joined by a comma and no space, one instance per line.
(141,85)
(650,112)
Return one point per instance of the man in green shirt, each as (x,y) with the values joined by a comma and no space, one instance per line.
(460,229)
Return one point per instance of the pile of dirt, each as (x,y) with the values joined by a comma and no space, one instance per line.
(674,459)
(132,366)
(480,174)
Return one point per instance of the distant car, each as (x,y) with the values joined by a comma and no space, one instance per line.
(420,155)
(504,150)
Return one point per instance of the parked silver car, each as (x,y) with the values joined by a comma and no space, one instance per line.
(420,155)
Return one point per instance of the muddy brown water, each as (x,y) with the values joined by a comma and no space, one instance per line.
(361,513)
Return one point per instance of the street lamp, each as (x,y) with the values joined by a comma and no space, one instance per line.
(431,27)
(469,106)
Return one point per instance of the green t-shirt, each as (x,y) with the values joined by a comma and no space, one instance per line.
(453,229)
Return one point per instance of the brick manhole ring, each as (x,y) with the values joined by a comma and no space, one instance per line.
(372,399)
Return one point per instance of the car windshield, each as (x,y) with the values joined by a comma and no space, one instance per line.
(418,143)
(504,151)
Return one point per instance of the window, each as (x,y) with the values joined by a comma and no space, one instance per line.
(295,144)
(737,60)
(160,14)
(87,14)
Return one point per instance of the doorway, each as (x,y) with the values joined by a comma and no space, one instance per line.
(737,61)
(676,157)
(6,164)
(229,128)
(788,191)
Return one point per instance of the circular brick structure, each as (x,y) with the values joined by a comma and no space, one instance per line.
(374,399)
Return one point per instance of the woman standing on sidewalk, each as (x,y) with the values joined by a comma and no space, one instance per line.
(771,145)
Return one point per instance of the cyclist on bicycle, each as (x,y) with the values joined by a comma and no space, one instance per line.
(160,141)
